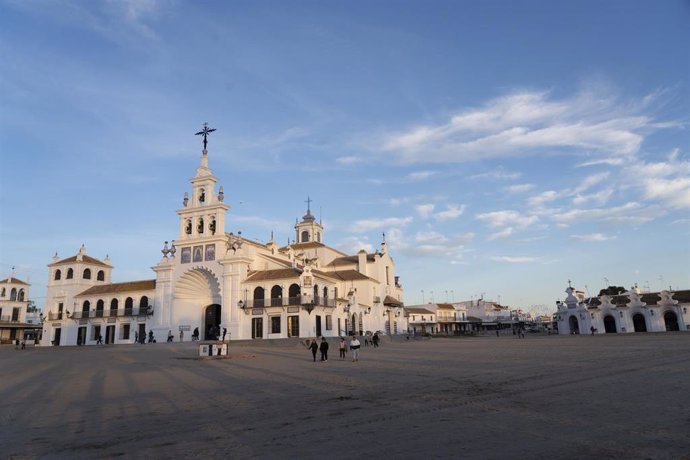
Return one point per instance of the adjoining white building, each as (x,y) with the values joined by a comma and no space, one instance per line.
(14,304)
(225,286)
(631,311)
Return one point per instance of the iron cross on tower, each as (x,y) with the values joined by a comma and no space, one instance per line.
(205,132)
(308,201)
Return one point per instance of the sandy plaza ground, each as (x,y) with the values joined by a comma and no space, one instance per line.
(603,396)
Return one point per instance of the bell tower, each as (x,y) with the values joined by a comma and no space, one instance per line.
(202,216)
(309,229)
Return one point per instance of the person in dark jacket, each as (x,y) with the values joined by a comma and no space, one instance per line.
(314,348)
(324,349)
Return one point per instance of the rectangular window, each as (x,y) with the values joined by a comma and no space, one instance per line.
(275,324)
(329,322)
(186,255)
(15,314)
(293,326)
(210,252)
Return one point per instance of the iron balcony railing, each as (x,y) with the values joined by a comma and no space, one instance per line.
(123,312)
(290,301)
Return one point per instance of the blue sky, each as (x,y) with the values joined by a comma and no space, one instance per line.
(504,147)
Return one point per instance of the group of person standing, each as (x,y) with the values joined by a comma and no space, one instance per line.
(343,347)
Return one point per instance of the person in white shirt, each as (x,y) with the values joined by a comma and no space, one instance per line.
(354,346)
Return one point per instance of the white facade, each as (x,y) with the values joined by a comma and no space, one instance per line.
(212,281)
(14,301)
(626,313)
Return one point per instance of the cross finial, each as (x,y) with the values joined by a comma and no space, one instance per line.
(308,201)
(205,132)
(569,284)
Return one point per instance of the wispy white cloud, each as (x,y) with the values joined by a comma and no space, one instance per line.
(497,219)
(529,122)
(430,243)
(349,160)
(353,244)
(505,233)
(593,237)
(452,212)
(497,174)
(515,260)
(519,188)
(421,175)
(424,210)
(366,225)
(628,213)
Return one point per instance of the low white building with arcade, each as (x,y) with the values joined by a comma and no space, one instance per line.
(632,311)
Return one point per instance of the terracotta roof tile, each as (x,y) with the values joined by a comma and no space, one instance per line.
(418,311)
(348,275)
(392,301)
(276,274)
(445,306)
(112,288)
(85,259)
(13,280)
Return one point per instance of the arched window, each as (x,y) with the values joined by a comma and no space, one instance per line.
(58,274)
(335,292)
(70,274)
(20,296)
(144,302)
(99,308)
(101,275)
(3,292)
(200,225)
(13,294)
(316,291)
(294,293)
(276,296)
(129,303)
(259,297)
(325,292)
(305,236)
(86,306)
(87,274)
(318,236)
(113,305)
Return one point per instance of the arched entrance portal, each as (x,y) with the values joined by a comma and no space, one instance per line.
(609,324)
(212,322)
(574,326)
(639,323)
(197,302)
(671,321)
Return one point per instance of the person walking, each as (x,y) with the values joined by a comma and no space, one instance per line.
(314,348)
(99,340)
(181,335)
(225,331)
(375,340)
(151,336)
(324,349)
(170,336)
(343,347)
(354,346)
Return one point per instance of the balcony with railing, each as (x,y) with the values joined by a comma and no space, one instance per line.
(121,313)
(56,316)
(290,302)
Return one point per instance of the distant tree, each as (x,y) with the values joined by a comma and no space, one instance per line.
(612,290)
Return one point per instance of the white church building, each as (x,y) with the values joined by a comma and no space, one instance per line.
(225,286)
(632,311)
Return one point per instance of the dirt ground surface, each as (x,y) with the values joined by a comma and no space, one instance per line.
(602,396)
